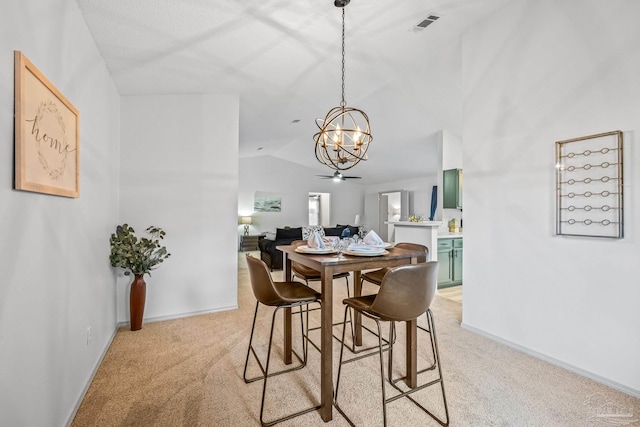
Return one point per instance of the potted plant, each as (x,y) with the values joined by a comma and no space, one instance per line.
(138,256)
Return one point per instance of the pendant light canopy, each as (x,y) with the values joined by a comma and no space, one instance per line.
(344,135)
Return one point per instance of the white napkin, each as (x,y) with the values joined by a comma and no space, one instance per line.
(372,239)
(315,241)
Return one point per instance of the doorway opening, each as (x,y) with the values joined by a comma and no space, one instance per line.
(319,209)
(393,206)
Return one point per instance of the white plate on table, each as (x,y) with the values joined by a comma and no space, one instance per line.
(307,250)
(371,252)
(383,245)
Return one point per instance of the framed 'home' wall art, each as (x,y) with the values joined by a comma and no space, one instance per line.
(47,146)
(589,188)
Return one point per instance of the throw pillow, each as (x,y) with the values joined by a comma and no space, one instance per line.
(353,230)
(307,231)
(289,233)
(333,231)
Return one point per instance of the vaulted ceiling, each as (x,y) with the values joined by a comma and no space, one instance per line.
(283,58)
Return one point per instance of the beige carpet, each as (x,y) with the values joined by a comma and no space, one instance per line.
(188,372)
(453,293)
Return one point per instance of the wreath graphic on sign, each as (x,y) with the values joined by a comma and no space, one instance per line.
(53,167)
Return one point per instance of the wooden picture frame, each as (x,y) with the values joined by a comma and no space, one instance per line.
(47,145)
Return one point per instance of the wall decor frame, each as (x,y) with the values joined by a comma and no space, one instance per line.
(267,204)
(589,186)
(47,145)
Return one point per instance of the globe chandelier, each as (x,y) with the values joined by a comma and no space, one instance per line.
(345,134)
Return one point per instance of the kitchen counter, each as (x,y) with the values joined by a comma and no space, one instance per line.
(445,234)
(428,224)
(424,233)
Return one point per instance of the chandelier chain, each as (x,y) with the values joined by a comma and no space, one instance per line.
(343,103)
(344,133)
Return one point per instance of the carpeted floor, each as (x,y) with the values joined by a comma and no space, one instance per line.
(453,293)
(188,372)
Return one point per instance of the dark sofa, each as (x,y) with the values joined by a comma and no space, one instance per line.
(284,236)
(268,252)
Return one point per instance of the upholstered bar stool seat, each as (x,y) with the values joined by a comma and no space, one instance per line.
(309,274)
(374,276)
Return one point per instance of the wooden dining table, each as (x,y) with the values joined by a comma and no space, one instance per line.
(328,265)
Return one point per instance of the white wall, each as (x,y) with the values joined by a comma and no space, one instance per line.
(56,279)
(273,176)
(451,151)
(179,171)
(536,72)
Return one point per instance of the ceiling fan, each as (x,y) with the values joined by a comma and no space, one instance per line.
(337,176)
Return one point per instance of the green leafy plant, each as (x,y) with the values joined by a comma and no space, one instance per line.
(137,255)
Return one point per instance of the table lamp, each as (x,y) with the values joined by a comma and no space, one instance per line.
(360,220)
(246,220)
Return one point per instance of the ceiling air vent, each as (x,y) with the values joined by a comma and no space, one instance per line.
(425,23)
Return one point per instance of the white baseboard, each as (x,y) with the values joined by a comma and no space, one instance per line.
(181,315)
(620,387)
(90,380)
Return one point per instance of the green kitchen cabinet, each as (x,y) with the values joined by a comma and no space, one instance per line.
(457,261)
(452,189)
(445,268)
(450,260)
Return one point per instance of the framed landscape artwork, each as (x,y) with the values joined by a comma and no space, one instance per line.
(47,146)
(267,204)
